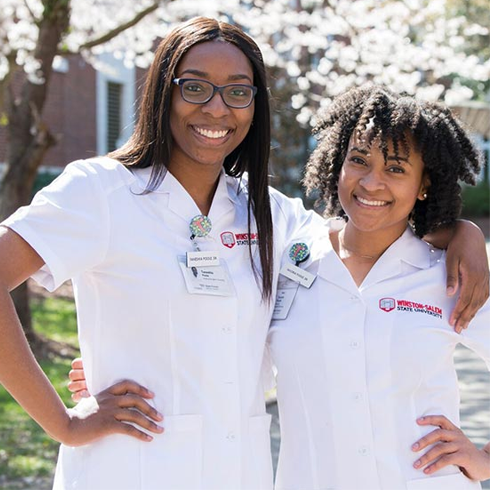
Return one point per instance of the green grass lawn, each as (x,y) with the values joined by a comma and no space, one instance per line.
(27,454)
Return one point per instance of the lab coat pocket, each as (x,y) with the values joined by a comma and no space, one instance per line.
(260,443)
(173,460)
(449,482)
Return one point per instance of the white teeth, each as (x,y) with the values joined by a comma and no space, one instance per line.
(212,134)
(373,203)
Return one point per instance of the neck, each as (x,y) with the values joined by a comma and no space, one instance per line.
(200,184)
(367,244)
(353,243)
(359,250)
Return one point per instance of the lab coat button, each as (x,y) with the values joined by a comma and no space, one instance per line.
(354,344)
(364,451)
(230,437)
(358,396)
(227,329)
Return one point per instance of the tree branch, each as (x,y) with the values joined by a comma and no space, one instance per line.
(114,32)
(6,93)
(33,17)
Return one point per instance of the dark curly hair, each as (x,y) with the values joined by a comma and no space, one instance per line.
(448,153)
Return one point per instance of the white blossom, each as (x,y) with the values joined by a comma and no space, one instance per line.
(320,50)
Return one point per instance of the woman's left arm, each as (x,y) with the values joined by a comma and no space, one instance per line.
(451,447)
(467,269)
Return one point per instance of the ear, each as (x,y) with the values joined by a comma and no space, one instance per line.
(424,187)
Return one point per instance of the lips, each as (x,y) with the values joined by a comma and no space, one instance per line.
(371,203)
(211,133)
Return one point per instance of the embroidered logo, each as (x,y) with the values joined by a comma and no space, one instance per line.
(408,306)
(228,239)
(243,239)
(387,304)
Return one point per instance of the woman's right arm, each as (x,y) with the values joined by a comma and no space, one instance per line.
(22,376)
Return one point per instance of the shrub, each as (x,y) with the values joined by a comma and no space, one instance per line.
(476,200)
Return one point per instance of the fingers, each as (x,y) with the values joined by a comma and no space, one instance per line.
(437,420)
(129,386)
(470,299)
(437,436)
(445,433)
(130,430)
(77,386)
(448,438)
(77,364)
(467,269)
(77,396)
(132,416)
(77,375)
(131,401)
(452,274)
(440,456)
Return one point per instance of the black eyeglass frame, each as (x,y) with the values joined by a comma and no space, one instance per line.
(215,89)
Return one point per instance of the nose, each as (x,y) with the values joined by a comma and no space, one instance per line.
(372,181)
(216,107)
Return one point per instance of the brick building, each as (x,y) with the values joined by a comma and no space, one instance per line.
(90,112)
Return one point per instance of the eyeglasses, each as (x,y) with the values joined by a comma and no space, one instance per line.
(234,95)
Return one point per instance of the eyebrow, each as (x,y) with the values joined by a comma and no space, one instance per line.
(202,74)
(399,159)
(366,152)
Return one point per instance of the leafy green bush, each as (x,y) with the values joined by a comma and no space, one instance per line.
(43,179)
(476,200)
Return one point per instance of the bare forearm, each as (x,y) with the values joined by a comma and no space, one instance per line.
(442,237)
(21,375)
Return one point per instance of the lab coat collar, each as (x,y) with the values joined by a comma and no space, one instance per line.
(406,249)
(180,202)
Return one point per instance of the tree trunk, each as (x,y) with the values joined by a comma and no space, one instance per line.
(28,138)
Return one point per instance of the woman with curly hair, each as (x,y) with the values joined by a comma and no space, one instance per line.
(365,355)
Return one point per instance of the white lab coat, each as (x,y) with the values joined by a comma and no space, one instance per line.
(201,355)
(357,366)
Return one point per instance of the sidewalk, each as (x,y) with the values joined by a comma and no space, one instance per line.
(474,382)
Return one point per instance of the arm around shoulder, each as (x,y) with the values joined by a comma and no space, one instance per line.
(467,269)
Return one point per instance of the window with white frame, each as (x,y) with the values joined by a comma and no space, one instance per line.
(116,93)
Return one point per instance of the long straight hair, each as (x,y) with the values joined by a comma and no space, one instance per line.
(151,142)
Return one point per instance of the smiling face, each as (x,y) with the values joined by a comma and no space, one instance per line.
(378,195)
(205,134)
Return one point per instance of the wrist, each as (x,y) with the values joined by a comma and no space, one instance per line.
(73,434)
(60,430)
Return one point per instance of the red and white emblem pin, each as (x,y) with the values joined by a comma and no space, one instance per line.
(228,239)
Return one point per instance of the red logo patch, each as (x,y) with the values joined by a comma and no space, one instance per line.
(387,304)
(228,239)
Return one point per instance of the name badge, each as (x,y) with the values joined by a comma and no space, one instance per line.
(300,276)
(202,259)
(203,280)
(284,300)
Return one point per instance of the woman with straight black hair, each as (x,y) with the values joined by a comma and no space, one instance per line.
(151,143)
